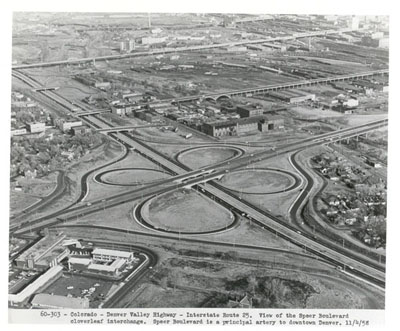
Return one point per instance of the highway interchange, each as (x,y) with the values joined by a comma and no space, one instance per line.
(204,181)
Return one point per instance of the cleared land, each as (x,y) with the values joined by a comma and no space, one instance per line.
(205,283)
(257,181)
(187,211)
(133,176)
(199,158)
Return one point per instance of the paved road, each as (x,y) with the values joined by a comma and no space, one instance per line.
(299,238)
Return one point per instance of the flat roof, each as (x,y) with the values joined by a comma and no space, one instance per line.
(103,251)
(79,260)
(44,299)
(41,246)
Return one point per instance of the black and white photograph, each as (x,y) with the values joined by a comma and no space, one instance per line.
(207,161)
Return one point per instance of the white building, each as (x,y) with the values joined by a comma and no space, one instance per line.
(102,254)
(153,40)
(36,127)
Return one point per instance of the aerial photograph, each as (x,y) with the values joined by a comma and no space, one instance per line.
(198,160)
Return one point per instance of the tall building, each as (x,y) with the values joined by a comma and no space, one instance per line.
(122,46)
(355,22)
(131,45)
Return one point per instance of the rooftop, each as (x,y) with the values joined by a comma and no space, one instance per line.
(102,251)
(59,301)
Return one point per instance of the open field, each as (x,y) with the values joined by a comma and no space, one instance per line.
(186,211)
(133,176)
(257,181)
(202,157)
(274,286)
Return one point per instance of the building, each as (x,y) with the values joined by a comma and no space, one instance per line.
(236,49)
(153,40)
(44,280)
(102,85)
(122,109)
(18,132)
(149,117)
(268,125)
(66,126)
(355,22)
(36,127)
(248,111)
(241,126)
(81,129)
(44,300)
(131,45)
(383,43)
(292,96)
(48,251)
(113,269)
(108,255)
(122,46)
(79,263)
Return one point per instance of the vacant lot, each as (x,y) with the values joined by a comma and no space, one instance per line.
(186,211)
(212,283)
(202,157)
(257,181)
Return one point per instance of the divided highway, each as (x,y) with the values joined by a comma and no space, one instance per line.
(270,222)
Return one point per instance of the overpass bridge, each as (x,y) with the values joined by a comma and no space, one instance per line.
(94,112)
(42,89)
(276,87)
(127,128)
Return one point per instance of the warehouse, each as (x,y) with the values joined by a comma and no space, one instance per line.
(248,111)
(241,126)
(292,96)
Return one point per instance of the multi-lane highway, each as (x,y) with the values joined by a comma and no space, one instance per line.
(356,264)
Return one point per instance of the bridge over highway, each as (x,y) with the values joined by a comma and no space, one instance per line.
(277,87)
(127,128)
(94,112)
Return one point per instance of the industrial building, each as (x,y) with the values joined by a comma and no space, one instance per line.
(44,280)
(248,111)
(81,129)
(292,96)
(36,127)
(241,126)
(48,251)
(67,125)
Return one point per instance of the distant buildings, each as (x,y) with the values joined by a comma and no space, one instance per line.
(292,96)
(248,111)
(153,40)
